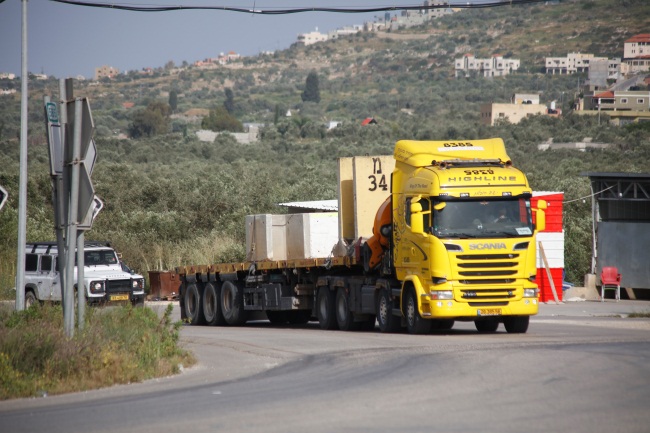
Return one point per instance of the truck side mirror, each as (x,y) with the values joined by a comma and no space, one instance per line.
(417,224)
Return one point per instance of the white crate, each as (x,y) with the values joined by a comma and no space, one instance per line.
(291,236)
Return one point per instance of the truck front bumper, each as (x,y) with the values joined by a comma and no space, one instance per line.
(451,309)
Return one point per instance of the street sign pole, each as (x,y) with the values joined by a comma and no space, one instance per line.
(81,295)
(65,94)
(71,237)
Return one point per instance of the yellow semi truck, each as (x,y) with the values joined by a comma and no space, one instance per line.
(447,235)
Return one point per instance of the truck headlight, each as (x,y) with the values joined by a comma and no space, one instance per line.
(138,284)
(530,293)
(441,294)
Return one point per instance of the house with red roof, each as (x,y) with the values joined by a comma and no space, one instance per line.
(636,53)
(622,107)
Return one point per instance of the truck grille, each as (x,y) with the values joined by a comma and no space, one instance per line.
(483,265)
(114,286)
(485,278)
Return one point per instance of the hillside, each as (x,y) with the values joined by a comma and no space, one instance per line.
(171,199)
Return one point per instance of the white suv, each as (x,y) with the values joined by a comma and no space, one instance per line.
(105,278)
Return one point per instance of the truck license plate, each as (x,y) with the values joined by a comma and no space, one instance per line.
(488,312)
(120,297)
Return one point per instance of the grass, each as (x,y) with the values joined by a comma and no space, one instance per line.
(118,345)
(639,315)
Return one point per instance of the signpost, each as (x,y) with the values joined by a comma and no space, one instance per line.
(72,159)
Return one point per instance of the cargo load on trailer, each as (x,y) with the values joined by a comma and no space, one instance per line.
(442,231)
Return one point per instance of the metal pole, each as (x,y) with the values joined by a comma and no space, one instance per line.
(72,218)
(81,287)
(22,190)
(65,93)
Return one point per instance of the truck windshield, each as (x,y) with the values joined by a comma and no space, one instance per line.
(99,258)
(483,218)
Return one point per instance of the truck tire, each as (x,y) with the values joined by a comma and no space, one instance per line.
(30,299)
(192,304)
(232,303)
(212,305)
(486,325)
(516,324)
(384,309)
(344,317)
(414,322)
(325,309)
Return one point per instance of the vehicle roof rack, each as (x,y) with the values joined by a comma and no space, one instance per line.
(49,246)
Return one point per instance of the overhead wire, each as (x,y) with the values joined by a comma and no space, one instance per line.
(286,11)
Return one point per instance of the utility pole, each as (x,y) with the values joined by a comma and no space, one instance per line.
(22,190)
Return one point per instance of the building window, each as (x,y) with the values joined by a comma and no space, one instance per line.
(640,101)
(623,100)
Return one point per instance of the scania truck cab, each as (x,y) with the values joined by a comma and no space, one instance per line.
(463,238)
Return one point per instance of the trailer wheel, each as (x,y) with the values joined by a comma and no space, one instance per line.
(325,309)
(299,317)
(276,317)
(192,304)
(486,325)
(414,322)
(232,303)
(212,306)
(344,317)
(384,308)
(517,324)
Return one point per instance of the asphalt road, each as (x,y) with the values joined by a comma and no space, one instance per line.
(582,367)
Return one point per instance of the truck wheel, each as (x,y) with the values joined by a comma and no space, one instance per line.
(30,299)
(517,324)
(344,317)
(212,306)
(384,308)
(232,303)
(487,325)
(298,317)
(325,309)
(414,322)
(192,304)
(277,317)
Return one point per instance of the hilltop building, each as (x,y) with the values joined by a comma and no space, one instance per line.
(106,72)
(312,37)
(603,72)
(213,62)
(572,63)
(405,19)
(521,105)
(496,66)
(636,53)
(622,107)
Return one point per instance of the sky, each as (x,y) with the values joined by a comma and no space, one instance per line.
(68,41)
